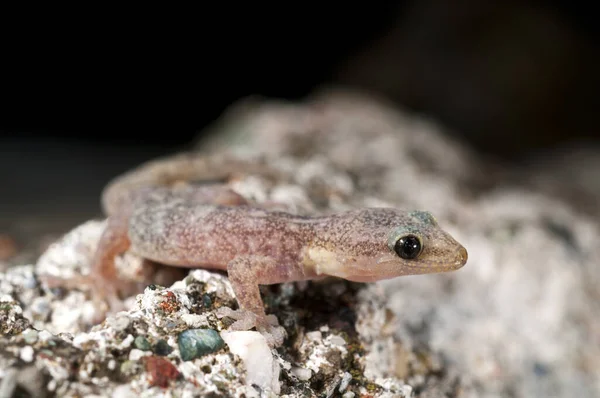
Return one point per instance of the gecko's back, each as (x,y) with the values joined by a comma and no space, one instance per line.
(173,227)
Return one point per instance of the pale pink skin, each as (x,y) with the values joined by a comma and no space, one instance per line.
(155,214)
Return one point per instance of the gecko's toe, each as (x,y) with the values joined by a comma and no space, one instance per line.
(275,335)
(268,325)
(244,320)
(223,312)
(272,320)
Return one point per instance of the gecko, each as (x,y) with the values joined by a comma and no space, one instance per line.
(158,213)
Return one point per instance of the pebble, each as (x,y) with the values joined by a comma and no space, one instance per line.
(45,336)
(346,379)
(161,371)
(302,374)
(194,343)
(135,354)
(206,301)
(337,340)
(162,348)
(27,354)
(142,343)
(314,336)
(30,336)
(261,369)
(40,308)
(119,323)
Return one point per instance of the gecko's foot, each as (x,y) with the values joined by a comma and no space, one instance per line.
(266,325)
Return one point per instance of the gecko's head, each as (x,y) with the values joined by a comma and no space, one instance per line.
(380,243)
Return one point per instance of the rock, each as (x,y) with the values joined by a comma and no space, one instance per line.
(142,343)
(261,368)
(519,319)
(161,371)
(194,343)
(301,373)
(346,378)
(162,348)
(12,321)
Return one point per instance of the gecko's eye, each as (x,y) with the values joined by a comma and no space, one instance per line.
(408,247)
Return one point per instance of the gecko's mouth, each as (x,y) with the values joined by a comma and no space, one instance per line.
(427,266)
(389,266)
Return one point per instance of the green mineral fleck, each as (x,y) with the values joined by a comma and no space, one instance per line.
(194,343)
(162,348)
(142,343)
(206,301)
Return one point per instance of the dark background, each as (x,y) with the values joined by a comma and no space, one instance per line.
(88,93)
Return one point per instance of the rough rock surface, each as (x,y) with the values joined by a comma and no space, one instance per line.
(520,319)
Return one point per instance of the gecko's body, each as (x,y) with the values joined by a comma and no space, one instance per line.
(212,227)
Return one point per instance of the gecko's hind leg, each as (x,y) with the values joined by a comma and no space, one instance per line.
(102,281)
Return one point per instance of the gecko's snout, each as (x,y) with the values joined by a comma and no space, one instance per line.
(463,256)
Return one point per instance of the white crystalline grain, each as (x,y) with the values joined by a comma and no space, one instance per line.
(302,373)
(252,348)
(27,353)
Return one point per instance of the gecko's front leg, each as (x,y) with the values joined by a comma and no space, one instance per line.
(245,274)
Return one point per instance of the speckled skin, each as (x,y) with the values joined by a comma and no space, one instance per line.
(156,214)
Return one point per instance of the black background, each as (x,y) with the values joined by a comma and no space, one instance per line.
(88,92)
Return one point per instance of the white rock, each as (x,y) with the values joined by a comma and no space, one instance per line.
(252,348)
(314,336)
(6,298)
(195,321)
(337,340)
(44,336)
(136,355)
(346,379)
(126,343)
(302,373)
(119,322)
(26,353)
